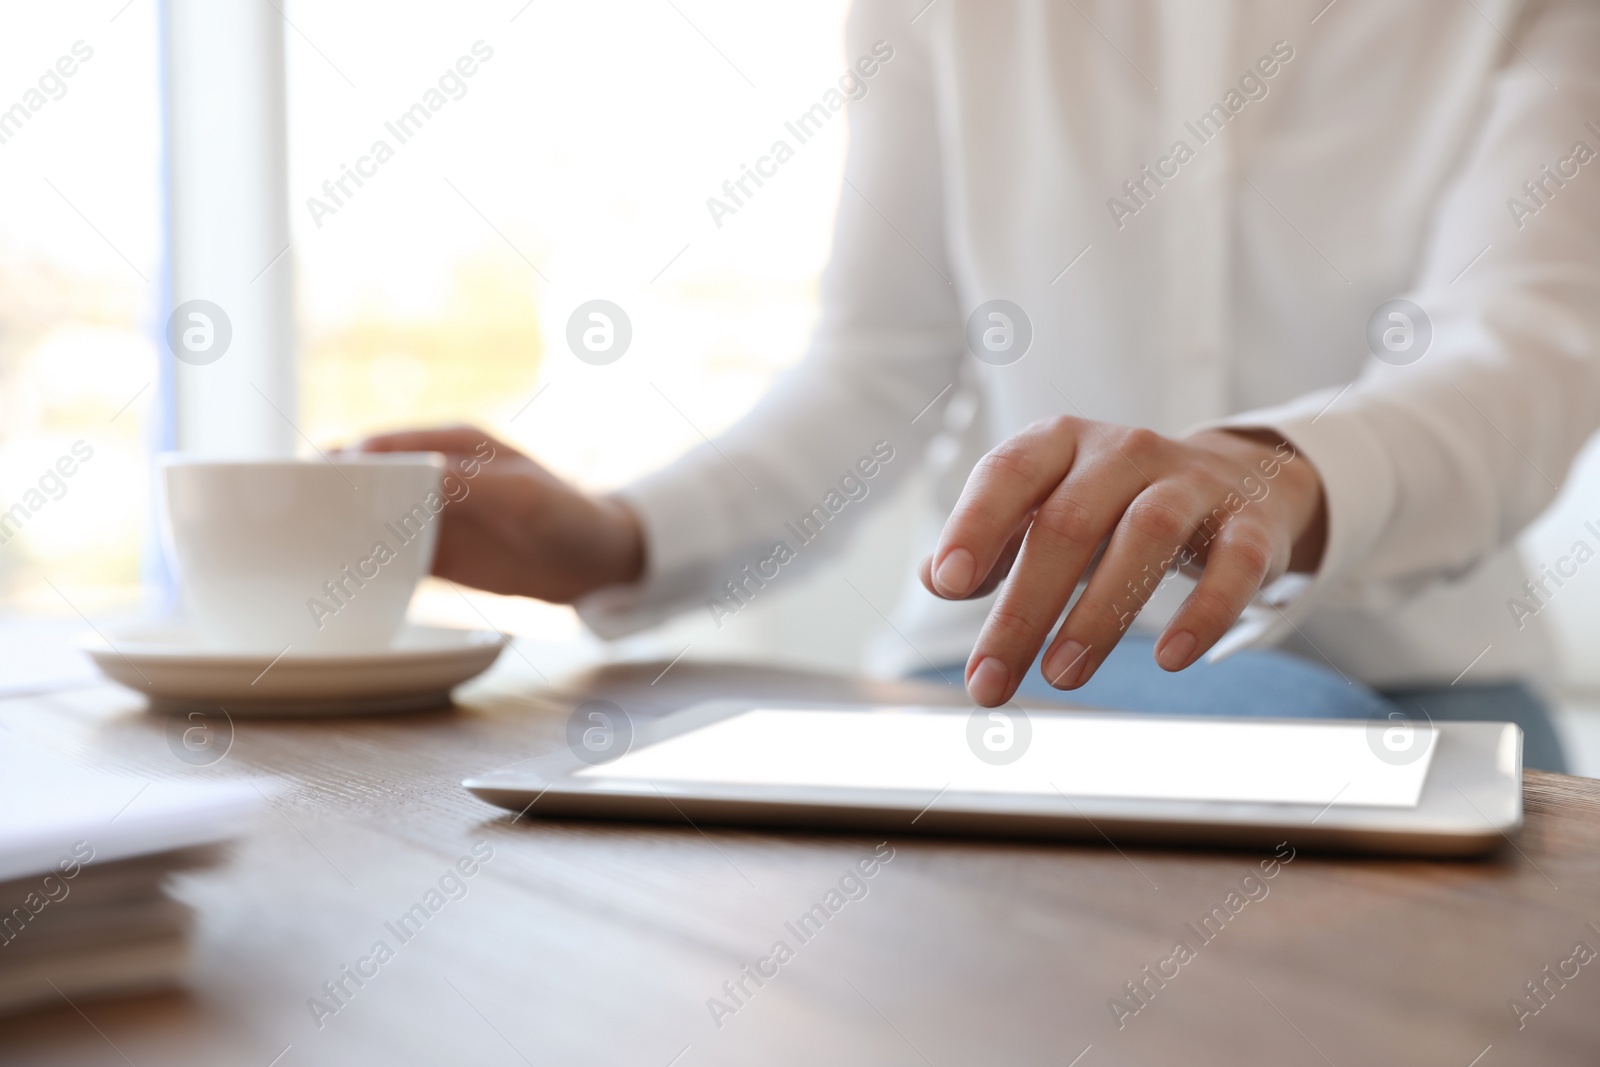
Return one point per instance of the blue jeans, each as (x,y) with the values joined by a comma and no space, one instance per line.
(1269,683)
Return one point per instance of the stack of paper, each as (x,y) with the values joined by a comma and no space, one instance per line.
(84,857)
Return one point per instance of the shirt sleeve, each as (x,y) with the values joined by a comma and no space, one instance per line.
(881,361)
(1430,465)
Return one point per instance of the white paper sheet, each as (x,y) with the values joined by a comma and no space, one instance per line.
(48,804)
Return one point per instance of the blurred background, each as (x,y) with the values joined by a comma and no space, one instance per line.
(574,164)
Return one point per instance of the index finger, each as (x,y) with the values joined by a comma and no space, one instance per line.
(1012,480)
(449,439)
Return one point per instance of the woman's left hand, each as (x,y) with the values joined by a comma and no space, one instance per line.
(1068,496)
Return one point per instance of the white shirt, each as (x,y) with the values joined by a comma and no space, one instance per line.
(1394,150)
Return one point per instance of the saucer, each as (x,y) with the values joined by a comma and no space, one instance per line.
(173,669)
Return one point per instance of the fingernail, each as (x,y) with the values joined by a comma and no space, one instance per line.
(1174,653)
(954,574)
(1064,666)
(989,681)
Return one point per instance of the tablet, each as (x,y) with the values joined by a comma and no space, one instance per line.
(1419,788)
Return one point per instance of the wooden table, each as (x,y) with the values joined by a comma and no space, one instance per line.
(602,944)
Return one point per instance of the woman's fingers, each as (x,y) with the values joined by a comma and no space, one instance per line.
(1148,538)
(1066,531)
(1007,484)
(1241,559)
(1141,501)
(1007,560)
(997,573)
(453,440)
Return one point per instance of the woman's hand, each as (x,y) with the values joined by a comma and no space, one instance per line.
(1067,493)
(519,529)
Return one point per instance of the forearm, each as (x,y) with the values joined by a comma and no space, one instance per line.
(821,449)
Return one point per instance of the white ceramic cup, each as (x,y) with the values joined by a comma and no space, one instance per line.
(310,555)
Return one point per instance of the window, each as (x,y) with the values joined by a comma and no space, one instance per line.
(80,262)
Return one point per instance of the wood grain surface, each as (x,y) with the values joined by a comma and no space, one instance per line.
(586,943)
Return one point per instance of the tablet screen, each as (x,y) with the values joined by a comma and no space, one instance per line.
(1073,754)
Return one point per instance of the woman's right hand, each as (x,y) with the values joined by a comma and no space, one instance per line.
(513,527)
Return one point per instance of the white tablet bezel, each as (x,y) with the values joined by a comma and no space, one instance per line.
(1471,801)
